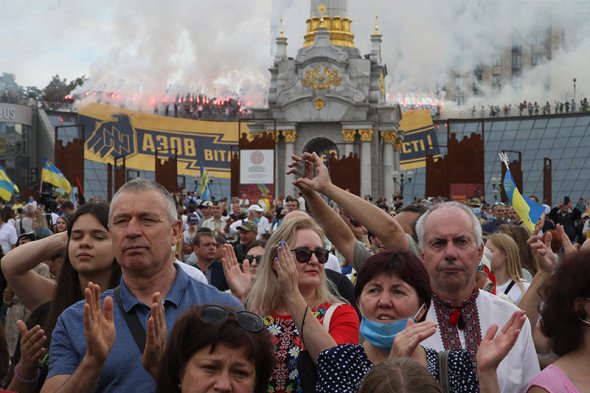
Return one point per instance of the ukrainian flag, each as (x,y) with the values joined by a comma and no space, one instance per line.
(52,175)
(7,187)
(528,210)
(204,183)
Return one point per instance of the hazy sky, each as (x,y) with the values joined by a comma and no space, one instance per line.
(148,47)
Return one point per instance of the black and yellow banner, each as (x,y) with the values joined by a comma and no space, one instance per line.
(113,132)
(419,129)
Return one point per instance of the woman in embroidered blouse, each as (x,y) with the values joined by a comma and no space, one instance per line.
(391,288)
(565,322)
(291,293)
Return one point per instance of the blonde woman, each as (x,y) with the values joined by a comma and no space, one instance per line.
(291,293)
(506,266)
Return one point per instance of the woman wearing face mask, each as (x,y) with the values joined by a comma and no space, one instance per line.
(393,293)
(291,293)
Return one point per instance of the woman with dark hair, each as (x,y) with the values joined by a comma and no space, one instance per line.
(564,321)
(88,256)
(393,294)
(213,348)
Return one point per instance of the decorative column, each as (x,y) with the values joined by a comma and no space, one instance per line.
(290,138)
(388,162)
(366,138)
(348,138)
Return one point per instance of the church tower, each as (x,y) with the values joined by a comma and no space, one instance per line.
(331,99)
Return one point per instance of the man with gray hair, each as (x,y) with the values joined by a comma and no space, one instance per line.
(117,347)
(451,246)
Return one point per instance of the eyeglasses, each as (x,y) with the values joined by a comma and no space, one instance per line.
(303,254)
(251,258)
(248,321)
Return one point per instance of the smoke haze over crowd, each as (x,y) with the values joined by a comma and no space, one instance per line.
(147,49)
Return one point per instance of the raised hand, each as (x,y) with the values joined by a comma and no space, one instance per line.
(31,346)
(240,282)
(99,325)
(315,175)
(407,341)
(155,336)
(494,347)
(568,247)
(547,259)
(284,266)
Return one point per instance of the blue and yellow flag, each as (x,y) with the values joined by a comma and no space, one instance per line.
(52,175)
(528,210)
(204,184)
(7,187)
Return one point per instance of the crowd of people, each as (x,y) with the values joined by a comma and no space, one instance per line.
(324,291)
(531,108)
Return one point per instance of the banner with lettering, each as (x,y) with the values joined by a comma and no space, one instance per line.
(113,132)
(419,129)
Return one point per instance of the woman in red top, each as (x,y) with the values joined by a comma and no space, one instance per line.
(291,293)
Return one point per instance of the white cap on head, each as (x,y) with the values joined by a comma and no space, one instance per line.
(255,208)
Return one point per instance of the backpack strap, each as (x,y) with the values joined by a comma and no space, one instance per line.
(132,321)
(509,287)
(328,315)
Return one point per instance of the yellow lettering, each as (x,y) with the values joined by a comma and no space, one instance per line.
(208,154)
(162,142)
(176,145)
(189,147)
(406,147)
(148,143)
(416,143)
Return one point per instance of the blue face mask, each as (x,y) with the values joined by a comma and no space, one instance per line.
(476,210)
(382,335)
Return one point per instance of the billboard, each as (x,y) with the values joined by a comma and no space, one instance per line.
(419,133)
(115,132)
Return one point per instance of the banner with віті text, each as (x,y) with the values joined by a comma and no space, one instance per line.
(112,132)
(419,133)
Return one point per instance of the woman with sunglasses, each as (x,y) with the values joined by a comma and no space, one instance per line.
(212,348)
(291,293)
(393,293)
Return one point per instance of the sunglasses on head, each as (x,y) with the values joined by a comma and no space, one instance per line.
(303,254)
(248,321)
(252,258)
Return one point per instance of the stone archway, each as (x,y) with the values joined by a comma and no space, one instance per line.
(323,147)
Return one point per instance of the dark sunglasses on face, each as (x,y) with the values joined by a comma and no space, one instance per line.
(248,321)
(251,258)
(303,254)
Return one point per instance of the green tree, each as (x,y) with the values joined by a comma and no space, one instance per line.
(58,88)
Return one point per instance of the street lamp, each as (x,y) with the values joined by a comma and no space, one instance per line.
(401,178)
(495,181)
(574,89)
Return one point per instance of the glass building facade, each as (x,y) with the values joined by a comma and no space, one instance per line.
(565,139)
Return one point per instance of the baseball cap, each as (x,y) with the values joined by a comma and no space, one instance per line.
(193,219)
(255,208)
(248,226)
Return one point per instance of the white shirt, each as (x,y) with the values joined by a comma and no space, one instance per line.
(8,237)
(215,226)
(515,293)
(332,263)
(521,364)
(263,227)
(192,271)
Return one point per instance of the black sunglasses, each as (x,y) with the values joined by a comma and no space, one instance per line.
(251,258)
(247,320)
(303,254)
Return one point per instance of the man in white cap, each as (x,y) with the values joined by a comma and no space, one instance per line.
(255,214)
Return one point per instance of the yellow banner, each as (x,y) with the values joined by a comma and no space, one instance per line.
(419,130)
(113,132)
